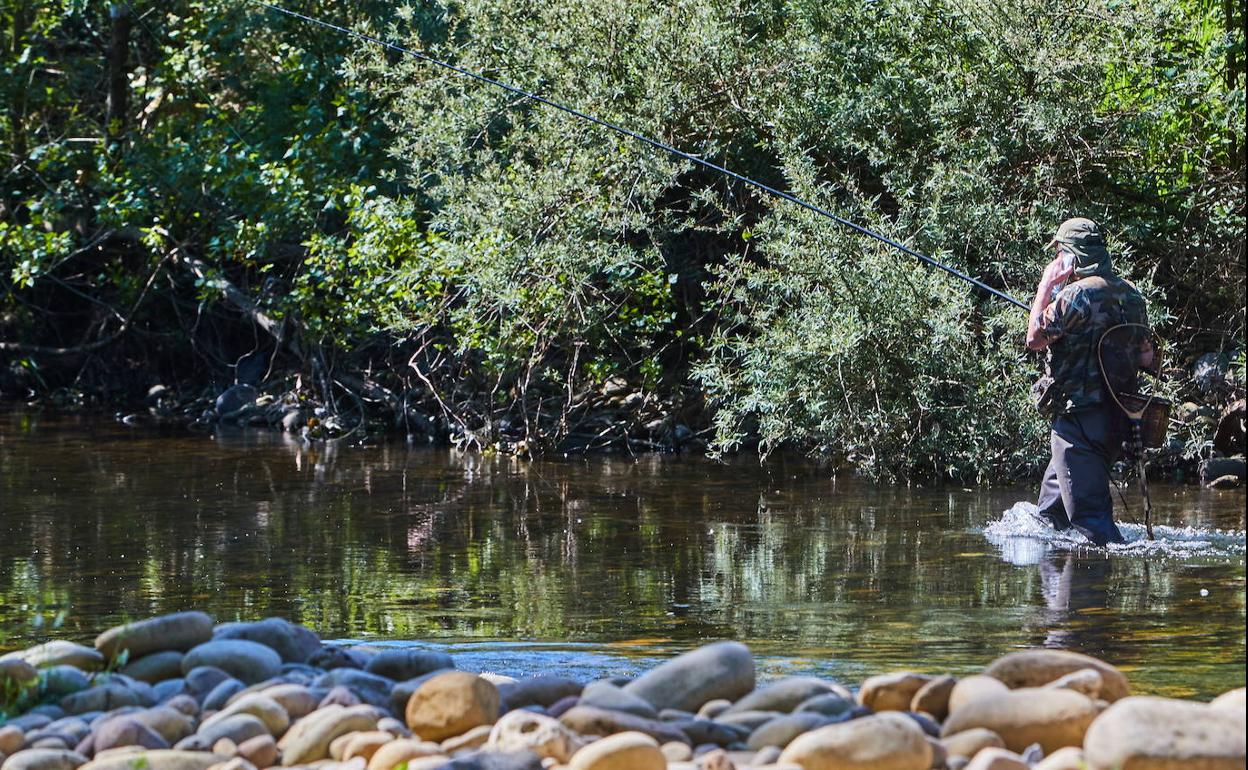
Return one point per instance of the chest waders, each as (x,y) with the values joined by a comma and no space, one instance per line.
(1148,414)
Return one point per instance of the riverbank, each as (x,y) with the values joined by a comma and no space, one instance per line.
(179,692)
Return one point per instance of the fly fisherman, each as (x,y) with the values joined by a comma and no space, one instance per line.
(1087,426)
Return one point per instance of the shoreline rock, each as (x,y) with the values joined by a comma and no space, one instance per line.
(178,693)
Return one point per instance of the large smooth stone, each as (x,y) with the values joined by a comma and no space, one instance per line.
(450,704)
(399,665)
(296,699)
(624,751)
(880,742)
(1234,700)
(891,692)
(259,705)
(159,759)
(1052,718)
(293,642)
(249,662)
(369,688)
(525,731)
(126,731)
(155,667)
(179,631)
(1145,733)
(64,680)
(782,730)
(400,751)
(588,720)
(308,739)
(44,759)
(604,695)
(720,670)
(972,688)
(17,673)
(1034,668)
(105,697)
(236,727)
(542,691)
(786,695)
(970,742)
(169,722)
(59,653)
(933,697)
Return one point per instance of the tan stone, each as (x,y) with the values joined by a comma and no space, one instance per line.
(544,736)
(622,751)
(225,747)
(717,759)
(891,692)
(968,743)
(1052,718)
(675,751)
(1069,758)
(11,740)
(308,739)
(997,759)
(1086,680)
(366,744)
(1233,700)
(44,759)
(451,704)
(473,739)
(880,742)
(1145,733)
(297,700)
(259,705)
(397,752)
(1035,668)
(260,751)
(157,759)
(933,697)
(973,688)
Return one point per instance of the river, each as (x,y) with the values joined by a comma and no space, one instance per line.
(594,565)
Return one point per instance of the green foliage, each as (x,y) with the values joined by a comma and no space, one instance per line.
(385,210)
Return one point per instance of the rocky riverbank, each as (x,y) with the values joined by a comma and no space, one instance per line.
(179,692)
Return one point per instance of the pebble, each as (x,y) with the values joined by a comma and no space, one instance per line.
(880,741)
(997,759)
(542,735)
(891,692)
(1146,733)
(622,751)
(1035,668)
(933,697)
(403,750)
(1051,718)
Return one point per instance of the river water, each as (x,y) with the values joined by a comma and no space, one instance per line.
(595,566)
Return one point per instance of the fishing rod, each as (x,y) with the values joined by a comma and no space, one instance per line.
(645,140)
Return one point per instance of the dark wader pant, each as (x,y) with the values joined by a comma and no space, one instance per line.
(1075,492)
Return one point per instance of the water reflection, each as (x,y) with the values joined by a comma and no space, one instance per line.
(615,557)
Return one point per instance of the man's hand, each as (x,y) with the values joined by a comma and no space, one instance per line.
(1055,273)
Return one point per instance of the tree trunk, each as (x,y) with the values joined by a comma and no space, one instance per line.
(118,81)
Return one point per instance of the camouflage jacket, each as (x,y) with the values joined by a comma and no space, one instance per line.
(1074,324)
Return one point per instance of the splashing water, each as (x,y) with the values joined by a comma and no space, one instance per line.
(1023,538)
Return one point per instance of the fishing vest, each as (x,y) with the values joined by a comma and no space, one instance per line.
(1074,324)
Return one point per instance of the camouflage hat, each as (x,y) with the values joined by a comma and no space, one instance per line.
(1083,238)
(1080,233)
